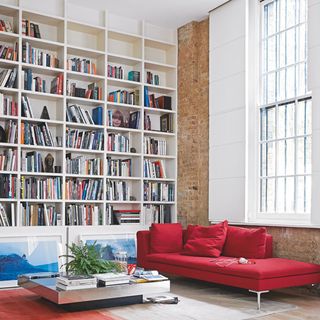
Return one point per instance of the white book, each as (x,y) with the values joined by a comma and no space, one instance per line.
(5,79)
(13,215)
(80,287)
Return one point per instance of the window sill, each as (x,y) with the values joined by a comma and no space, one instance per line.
(280,224)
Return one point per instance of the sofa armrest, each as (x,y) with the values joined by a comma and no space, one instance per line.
(143,246)
(269,251)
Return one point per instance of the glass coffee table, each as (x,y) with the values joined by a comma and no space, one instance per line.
(100,297)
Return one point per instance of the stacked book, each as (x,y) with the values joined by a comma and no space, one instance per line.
(30,29)
(5,220)
(76,282)
(81,165)
(126,216)
(39,215)
(119,167)
(38,56)
(92,92)
(115,72)
(8,77)
(154,169)
(155,146)
(6,26)
(11,131)
(36,134)
(32,162)
(124,96)
(157,214)
(77,189)
(157,191)
(111,279)
(118,143)
(8,160)
(81,65)
(8,107)
(118,190)
(82,215)
(78,114)
(134,76)
(79,139)
(9,53)
(8,184)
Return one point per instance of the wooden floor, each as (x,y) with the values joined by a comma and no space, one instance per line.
(308,306)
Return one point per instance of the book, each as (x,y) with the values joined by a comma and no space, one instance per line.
(76,280)
(79,287)
(97,115)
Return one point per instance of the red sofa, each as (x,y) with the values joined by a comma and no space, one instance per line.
(260,276)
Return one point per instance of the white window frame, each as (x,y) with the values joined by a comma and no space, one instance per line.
(253,147)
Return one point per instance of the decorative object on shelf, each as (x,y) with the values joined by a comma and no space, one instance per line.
(118,119)
(57,169)
(45,113)
(48,161)
(85,260)
(59,141)
(2,134)
(133,150)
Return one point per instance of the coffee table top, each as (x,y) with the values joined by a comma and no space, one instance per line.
(46,288)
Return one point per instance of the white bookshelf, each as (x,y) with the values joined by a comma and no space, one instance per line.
(68,30)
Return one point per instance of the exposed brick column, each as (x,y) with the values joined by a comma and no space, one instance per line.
(193,122)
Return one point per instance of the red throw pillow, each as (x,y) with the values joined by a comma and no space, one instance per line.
(188,232)
(166,237)
(198,236)
(203,247)
(244,242)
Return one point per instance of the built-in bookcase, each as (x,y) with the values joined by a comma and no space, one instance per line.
(109,85)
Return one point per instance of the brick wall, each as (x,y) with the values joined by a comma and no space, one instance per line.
(193,138)
(193,122)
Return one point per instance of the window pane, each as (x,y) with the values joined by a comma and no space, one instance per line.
(263,159)
(290,82)
(290,158)
(282,14)
(263,195)
(302,43)
(309,116)
(271,123)
(281,195)
(300,198)
(301,120)
(271,87)
(263,124)
(289,185)
(282,49)
(270,195)
(285,125)
(302,79)
(271,61)
(291,47)
(271,158)
(281,85)
(307,193)
(291,12)
(302,10)
(281,158)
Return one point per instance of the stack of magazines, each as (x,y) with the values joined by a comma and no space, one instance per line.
(111,279)
(76,282)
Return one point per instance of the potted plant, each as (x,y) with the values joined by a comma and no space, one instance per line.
(85,260)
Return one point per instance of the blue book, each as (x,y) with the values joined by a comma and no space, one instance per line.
(97,115)
(146,97)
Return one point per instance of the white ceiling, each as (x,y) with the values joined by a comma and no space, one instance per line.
(165,13)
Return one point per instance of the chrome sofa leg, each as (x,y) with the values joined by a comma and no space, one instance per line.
(258,293)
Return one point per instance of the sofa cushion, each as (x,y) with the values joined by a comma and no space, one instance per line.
(203,247)
(205,241)
(165,237)
(244,242)
(260,269)
(188,232)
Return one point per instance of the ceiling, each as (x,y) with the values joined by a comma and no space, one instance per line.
(165,13)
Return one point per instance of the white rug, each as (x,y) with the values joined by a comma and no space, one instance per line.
(205,304)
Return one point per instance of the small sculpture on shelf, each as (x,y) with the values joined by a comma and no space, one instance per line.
(45,113)
(49,160)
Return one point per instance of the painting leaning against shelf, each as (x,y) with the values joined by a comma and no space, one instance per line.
(27,255)
(110,247)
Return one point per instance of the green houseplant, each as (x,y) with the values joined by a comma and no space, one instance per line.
(85,260)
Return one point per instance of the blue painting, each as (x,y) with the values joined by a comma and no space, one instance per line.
(27,257)
(108,248)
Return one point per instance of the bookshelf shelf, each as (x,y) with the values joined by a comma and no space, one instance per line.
(123,83)
(41,69)
(99,43)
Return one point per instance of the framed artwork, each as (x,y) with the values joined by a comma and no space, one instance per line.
(34,252)
(164,123)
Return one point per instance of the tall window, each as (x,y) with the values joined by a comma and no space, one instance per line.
(285,111)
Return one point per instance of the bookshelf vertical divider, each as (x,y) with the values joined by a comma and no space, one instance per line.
(143,49)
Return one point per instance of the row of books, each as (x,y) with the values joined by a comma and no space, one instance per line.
(82,215)
(119,167)
(40,85)
(39,215)
(158,191)
(157,214)
(154,169)
(118,143)
(118,190)
(6,25)
(9,52)
(134,76)
(32,162)
(8,186)
(11,131)
(26,110)
(81,65)
(124,96)
(156,146)
(8,160)
(7,219)
(153,78)
(77,114)
(8,107)
(117,118)
(77,189)
(115,72)
(161,102)
(84,139)
(81,165)
(30,29)
(36,134)
(38,57)
(8,78)
(92,92)
(41,188)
